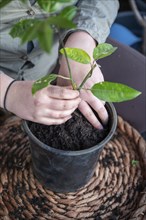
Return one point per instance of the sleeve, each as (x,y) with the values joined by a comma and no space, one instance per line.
(96,17)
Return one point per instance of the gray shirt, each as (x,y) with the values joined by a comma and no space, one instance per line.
(94,17)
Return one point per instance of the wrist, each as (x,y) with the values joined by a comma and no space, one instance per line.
(4,83)
(20,99)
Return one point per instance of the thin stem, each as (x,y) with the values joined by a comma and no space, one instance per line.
(63,77)
(89,74)
(67,61)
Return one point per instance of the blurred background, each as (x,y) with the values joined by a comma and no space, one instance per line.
(130,25)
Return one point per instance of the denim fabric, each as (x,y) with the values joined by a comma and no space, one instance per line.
(94,16)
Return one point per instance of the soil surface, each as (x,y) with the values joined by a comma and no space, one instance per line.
(76,134)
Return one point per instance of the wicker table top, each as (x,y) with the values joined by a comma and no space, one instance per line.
(116,191)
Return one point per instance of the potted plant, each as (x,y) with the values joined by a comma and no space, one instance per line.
(64,156)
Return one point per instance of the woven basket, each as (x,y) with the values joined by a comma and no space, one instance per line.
(116,191)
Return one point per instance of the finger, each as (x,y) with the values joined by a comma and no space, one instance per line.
(57,104)
(44,101)
(53,114)
(99,107)
(89,115)
(62,92)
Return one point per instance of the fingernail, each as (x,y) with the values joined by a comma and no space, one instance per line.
(105,122)
(100,127)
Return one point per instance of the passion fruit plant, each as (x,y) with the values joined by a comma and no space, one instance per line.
(52,22)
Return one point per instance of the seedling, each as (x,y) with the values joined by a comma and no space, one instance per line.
(106,91)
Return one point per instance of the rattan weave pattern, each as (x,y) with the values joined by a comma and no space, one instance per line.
(116,191)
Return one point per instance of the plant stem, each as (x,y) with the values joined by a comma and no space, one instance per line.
(70,74)
(63,77)
(89,74)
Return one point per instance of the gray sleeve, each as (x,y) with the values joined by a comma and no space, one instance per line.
(96,17)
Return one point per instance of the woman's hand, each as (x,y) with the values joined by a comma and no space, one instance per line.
(54,104)
(89,101)
(51,105)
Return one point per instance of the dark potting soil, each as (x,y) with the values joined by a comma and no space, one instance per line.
(76,134)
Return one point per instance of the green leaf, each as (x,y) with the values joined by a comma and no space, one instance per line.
(114,92)
(31,32)
(30,29)
(43,82)
(69,12)
(51,5)
(103,50)
(61,22)
(23,26)
(45,37)
(76,54)
(4,3)
(48,6)
(63,1)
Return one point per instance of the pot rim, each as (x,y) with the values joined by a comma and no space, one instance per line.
(79,152)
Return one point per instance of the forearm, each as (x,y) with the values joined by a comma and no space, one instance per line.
(82,40)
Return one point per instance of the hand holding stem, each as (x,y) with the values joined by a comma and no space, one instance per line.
(80,74)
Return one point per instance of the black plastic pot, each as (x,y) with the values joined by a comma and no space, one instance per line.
(66,171)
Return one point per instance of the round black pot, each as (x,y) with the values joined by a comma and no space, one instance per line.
(66,171)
